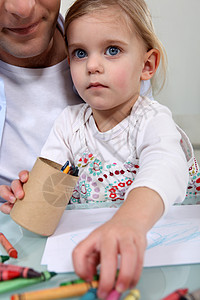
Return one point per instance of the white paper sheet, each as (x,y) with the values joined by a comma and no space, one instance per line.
(175,239)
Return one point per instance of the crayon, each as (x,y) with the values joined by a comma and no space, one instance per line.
(113,295)
(91,294)
(74,290)
(12,252)
(73,171)
(192,296)
(25,272)
(66,170)
(76,171)
(7,275)
(4,258)
(133,295)
(72,282)
(176,295)
(79,280)
(65,165)
(18,283)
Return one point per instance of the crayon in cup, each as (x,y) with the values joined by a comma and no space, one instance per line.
(12,252)
(66,170)
(71,170)
(64,166)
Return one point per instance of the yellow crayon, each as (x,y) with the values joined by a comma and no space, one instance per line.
(66,170)
(67,291)
(133,295)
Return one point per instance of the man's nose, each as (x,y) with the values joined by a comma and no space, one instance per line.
(20,8)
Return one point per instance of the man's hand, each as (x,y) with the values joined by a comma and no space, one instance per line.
(13,192)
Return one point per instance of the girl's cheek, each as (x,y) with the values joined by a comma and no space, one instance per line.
(121,79)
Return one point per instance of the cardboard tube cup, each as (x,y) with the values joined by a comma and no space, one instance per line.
(47,194)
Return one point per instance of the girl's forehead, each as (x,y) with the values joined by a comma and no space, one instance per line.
(112,14)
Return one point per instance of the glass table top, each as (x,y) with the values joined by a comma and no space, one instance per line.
(155,282)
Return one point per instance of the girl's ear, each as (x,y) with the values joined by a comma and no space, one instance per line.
(151,63)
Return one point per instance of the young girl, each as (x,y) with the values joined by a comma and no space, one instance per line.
(127,147)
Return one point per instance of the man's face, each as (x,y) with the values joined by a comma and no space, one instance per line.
(26,27)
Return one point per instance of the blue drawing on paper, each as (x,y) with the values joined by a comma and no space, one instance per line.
(173,233)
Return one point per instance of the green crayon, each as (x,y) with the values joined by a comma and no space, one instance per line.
(79,280)
(72,282)
(4,258)
(18,283)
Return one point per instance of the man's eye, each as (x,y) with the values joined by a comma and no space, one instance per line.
(112,51)
(80,53)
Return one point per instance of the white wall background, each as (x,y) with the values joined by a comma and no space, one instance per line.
(177,24)
(65,4)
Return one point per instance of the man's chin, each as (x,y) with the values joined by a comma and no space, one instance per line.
(23,55)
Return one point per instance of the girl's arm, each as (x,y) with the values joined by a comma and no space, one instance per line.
(124,234)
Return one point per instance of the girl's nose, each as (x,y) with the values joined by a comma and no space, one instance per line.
(95,65)
(20,8)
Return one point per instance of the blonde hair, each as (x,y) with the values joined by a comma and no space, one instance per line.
(140,17)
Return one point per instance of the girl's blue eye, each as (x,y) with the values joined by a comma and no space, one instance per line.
(80,53)
(112,51)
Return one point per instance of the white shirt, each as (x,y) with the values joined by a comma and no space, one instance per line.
(148,137)
(30,101)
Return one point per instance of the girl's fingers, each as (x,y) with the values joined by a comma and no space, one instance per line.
(85,259)
(128,264)
(108,267)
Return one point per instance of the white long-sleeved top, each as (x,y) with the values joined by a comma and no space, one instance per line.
(145,149)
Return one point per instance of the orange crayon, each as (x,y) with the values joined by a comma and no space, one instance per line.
(12,252)
(68,291)
(66,170)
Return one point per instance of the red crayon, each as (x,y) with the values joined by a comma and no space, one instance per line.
(7,275)
(176,295)
(12,252)
(25,272)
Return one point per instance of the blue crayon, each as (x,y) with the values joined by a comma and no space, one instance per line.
(90,295)
(64,166)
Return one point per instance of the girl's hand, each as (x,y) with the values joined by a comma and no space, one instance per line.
(13,192)
(117,236)
(124,235)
